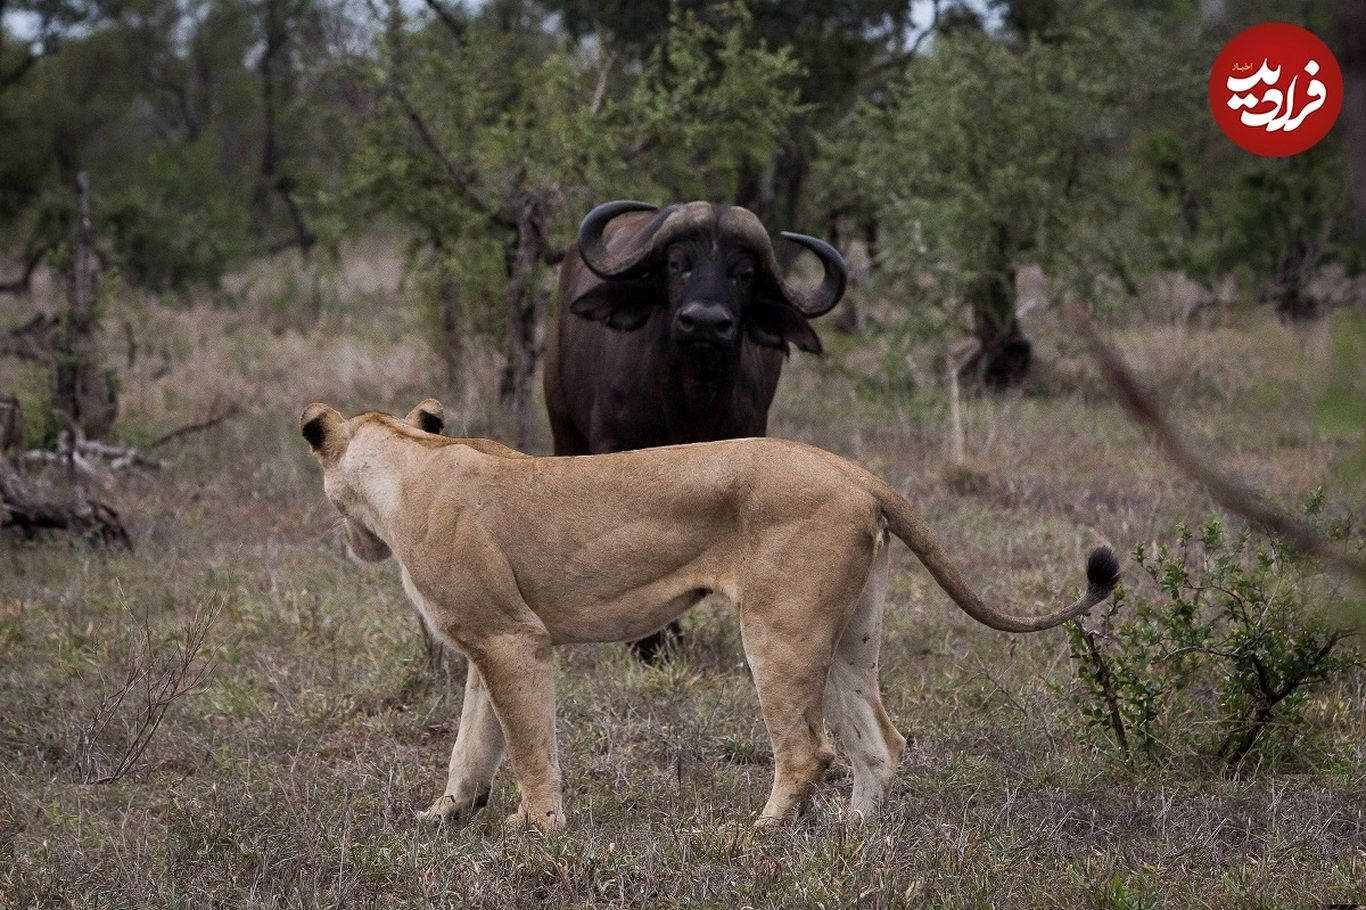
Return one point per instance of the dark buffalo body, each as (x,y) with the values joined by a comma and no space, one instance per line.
(673,326)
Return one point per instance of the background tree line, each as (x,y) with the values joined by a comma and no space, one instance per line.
(944,144)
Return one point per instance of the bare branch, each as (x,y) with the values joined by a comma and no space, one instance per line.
(1230,493)
(606,59)
(448,19)
(1100,668)
(213,420)
(162,678)
(24,282)
(35,340)
(459,181)
(928,30)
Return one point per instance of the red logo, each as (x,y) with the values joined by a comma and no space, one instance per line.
(1275,89)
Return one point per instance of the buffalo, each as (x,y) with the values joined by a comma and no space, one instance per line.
(673,326)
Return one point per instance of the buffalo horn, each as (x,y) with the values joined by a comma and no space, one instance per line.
(593,247)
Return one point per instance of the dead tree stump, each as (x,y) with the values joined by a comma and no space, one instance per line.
(81,387)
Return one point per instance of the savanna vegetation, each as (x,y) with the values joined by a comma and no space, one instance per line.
(204,702)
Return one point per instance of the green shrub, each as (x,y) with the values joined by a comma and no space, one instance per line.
(182,226)
(1224,658)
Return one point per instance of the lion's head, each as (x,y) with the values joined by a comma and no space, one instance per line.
(330,435)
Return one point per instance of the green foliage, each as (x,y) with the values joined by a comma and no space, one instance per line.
(1286,217)
(1341,404)
(991,155)
(1228,649)
(182,226)
(161,103)
(1117,894)
(465,128)
(1011,135)
(707,100)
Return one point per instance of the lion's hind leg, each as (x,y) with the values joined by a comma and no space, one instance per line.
(854,702)
(789,647)
(790,677)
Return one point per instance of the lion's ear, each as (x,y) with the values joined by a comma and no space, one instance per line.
(429,416)
(323,427)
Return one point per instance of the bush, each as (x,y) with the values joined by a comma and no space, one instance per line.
(183,226)
(1223,660)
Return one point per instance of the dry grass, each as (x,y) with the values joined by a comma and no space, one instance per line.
(292,777)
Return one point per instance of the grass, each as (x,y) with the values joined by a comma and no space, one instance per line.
(292,777)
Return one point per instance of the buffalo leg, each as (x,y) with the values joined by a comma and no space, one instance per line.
(655,648)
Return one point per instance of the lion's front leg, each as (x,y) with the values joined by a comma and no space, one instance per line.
(476,757)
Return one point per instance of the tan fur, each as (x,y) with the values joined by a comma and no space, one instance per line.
(507,555)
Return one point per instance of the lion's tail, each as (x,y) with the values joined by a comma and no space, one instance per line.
(1102,569)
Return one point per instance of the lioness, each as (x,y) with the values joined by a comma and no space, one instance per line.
(506,555)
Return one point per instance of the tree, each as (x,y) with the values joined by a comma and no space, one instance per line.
(844,50)
(182,111)
(987,155)
(284,26)
(1287,218)
(83,392)
(491,137)
(1277,222)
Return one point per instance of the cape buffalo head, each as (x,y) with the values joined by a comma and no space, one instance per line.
(712,266)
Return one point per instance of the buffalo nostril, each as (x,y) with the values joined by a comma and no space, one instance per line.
(687,321)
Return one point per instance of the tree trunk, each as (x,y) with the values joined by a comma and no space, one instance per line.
(792,170)
(273,31)
(1352,57)
(849,318)
(11,423)
(747,184)
(81,388)
(1293,303)
(524,311)
(452,333)
(1006,354)
(275,56)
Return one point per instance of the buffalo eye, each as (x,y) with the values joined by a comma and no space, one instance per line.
(678,264)
(743,275)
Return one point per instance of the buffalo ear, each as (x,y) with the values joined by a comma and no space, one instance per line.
(776,325)
(323,427)
(621,305)
(429,416)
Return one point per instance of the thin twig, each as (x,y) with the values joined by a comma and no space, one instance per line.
(1101,668)
(162,680)
(448,19)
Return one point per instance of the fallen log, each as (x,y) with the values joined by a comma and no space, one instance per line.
(29,512)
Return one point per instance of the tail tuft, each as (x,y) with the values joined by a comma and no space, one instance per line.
(1102,570)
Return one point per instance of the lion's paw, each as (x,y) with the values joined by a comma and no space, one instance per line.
(547,821)
(453,809)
